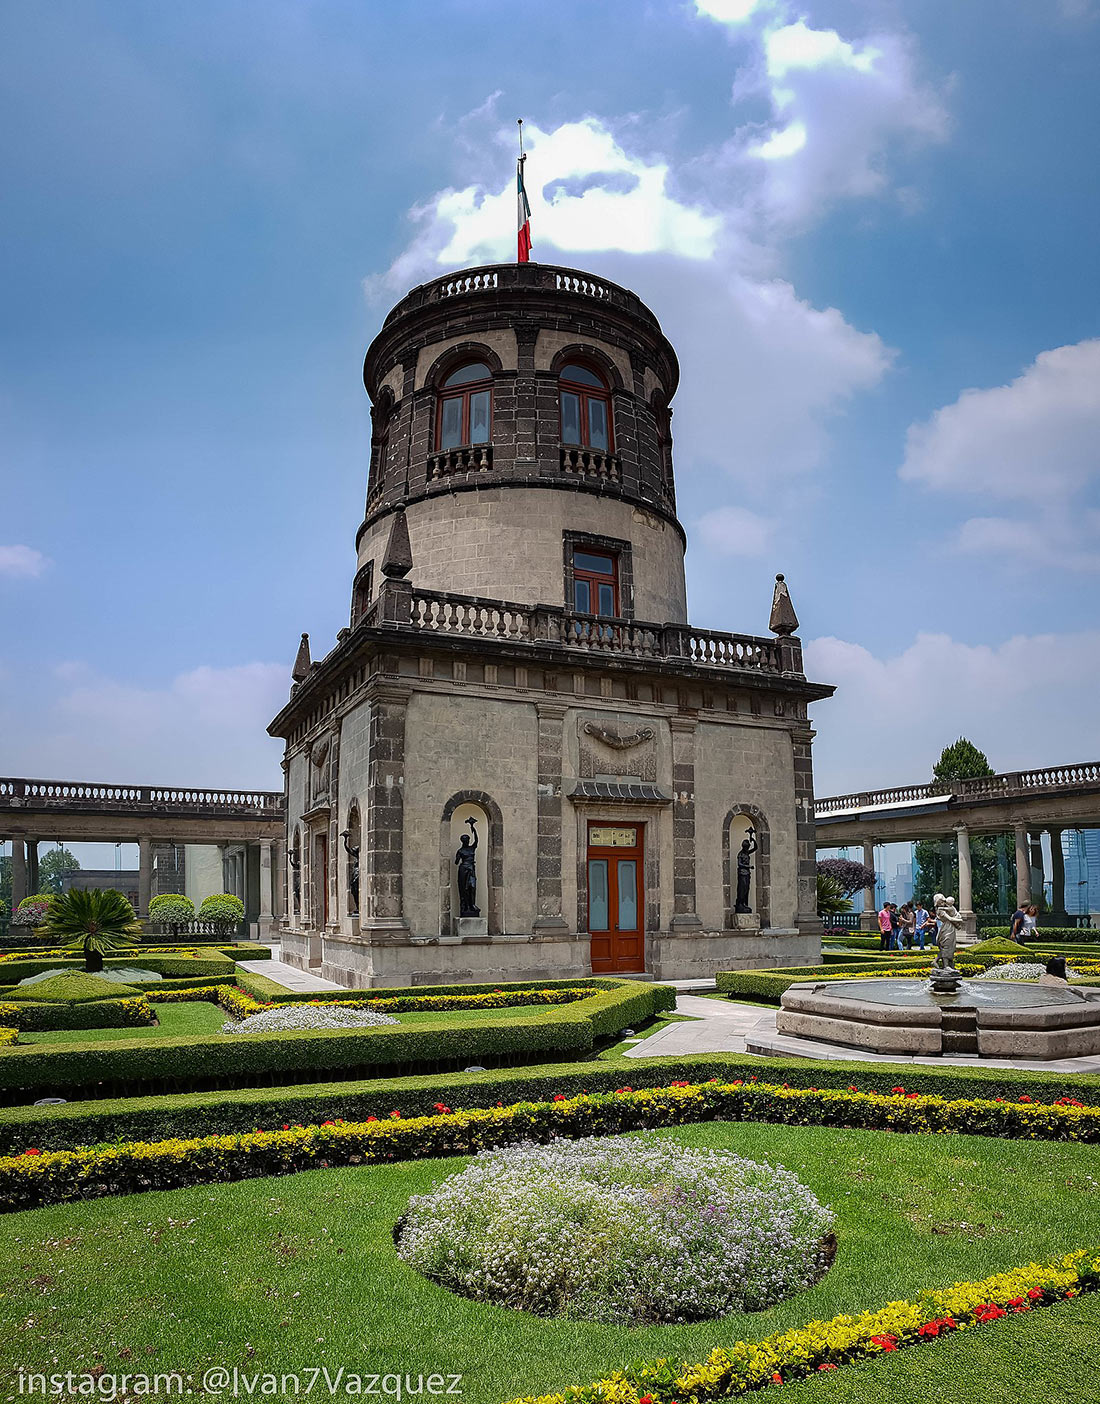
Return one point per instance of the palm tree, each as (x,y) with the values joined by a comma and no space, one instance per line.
(96,921)
(831,900)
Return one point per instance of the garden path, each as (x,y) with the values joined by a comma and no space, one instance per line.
(300,981)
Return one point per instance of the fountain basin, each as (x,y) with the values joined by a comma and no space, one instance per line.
(982,1019)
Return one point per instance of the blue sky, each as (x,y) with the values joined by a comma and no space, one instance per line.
(869,228)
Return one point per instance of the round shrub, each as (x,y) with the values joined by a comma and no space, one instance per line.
(172,909)
(222,908)
(34,910)
(288,1017)
(619,1230)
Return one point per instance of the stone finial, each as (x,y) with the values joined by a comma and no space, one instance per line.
(397,562)
(302,663)
(783,618)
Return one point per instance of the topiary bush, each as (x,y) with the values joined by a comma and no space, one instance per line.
(33,911)
(225,910)
(619,1231)
(173,910)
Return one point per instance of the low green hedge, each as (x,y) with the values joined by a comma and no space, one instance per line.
(1084,935)
(12,971)
(131,1067)
(38,1177)
(228,1112)
(28,1017)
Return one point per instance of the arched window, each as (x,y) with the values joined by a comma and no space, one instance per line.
(585,407)
(465,407)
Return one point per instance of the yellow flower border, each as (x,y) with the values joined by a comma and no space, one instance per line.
(826,1345)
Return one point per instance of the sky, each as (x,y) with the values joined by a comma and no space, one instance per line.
(868,227)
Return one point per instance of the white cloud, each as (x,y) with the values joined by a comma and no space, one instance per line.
(892,715)
(730,11)
(1036,442)
(207,726)
(21,562)
(735,531)
(1032,440)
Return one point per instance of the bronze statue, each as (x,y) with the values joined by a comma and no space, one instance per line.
(352,850)
(467,873)
(296,869)
(744,871)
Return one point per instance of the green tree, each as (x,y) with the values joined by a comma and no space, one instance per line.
(831,900)
(936,865)
(54,867)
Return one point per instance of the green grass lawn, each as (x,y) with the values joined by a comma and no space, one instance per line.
(617,1051)
(281,1274)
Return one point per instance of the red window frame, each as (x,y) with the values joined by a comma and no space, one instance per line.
(585,394)
(463,393)
(594,579)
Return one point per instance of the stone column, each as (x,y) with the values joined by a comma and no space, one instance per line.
(868,920)
(806,919)
(684,916)
(18,872)
(145,875)
(32,864)
(267,894)
(1023,866)
(1057,872)
(1036,874)
(966,897)
(550,920)
(384,830)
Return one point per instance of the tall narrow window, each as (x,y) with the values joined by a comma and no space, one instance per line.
(595,583)
(585,408)
(465,407)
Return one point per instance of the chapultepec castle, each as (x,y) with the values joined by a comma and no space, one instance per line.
(518,654)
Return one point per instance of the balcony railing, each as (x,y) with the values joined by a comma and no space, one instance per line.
(591,463)
(1009,785)
(468,616)
(476,458)
(77,794)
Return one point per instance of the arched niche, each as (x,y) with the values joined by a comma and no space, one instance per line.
(740,818)
(459,808)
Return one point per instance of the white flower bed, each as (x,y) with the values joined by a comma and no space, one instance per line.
(289,1017)
(1020,970)
(619,1230)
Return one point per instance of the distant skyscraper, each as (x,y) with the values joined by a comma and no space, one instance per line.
(1081,849)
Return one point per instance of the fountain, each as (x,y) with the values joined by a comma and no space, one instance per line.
(946,1014)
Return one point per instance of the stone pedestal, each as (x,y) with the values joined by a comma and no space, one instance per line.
(467,928)
(748,922)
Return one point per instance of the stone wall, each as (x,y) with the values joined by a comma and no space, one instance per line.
(508,544)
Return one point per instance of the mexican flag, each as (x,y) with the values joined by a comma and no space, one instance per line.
(523,216)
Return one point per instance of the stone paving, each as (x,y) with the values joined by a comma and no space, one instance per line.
(719,1026)
(300,981)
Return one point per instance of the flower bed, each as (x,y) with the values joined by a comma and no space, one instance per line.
(35,1178)
(823,1346)
(288,1018)
(616,1231)
(129,1013)
(1021,970)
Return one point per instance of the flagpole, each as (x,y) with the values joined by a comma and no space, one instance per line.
(523,209)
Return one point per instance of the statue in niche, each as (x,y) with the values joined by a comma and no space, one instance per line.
(744,871)
(467,873)
(296,869)
(352,850)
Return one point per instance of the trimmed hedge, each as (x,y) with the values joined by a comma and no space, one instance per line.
(129,1013)
(1086,935)
(208,1113)
(127,1068)
(12,971)
(35,1177)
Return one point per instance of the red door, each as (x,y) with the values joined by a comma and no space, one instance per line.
(616,898)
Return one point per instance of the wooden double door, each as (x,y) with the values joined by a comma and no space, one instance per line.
(616,898)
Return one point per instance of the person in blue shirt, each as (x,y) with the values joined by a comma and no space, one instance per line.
(921,922)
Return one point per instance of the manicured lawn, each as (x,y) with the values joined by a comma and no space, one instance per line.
(651,1026)
(175,1021)
(281,1274)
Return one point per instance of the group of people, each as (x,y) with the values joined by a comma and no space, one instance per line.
(1022,927)
(902,928)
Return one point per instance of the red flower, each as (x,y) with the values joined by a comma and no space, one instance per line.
(646,1399)
(885,1343)
(33,1151)
(285,1126)
(441,1107)
(328,1123)
(898,1091)
(853,1089)
(395,1116)
(623,1089)
(559,1096)
(1034,1293)
(777,1377)
(679,1084)
(372,1118)
(911,1096)
(1025,1098)
(826,1367)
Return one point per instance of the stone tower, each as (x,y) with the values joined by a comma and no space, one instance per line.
(518,654)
